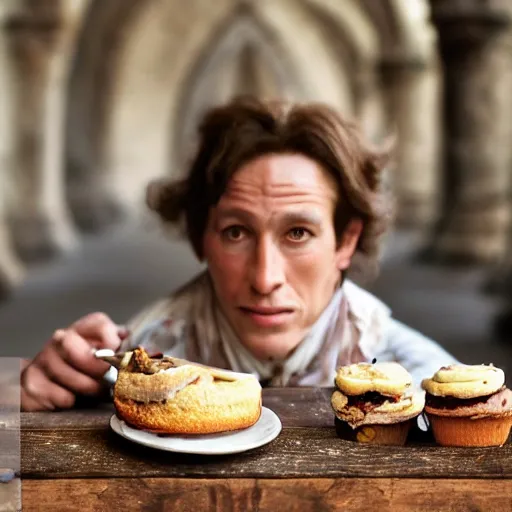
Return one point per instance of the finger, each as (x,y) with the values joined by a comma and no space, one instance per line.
(60,397)
(99,327)
(38,388)
(33,385)
(30,404)
(77,352)
(61,373)
(123,332)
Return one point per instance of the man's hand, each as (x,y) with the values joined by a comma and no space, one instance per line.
(67,367)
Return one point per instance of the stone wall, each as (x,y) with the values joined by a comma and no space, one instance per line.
(101,96)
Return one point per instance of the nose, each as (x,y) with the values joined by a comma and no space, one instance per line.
(267,272)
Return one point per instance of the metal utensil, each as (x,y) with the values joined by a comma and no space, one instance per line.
(113,358)
(116,360)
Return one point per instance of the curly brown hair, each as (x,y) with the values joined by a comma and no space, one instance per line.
(246,128)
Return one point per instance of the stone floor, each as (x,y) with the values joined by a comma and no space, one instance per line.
(122,270)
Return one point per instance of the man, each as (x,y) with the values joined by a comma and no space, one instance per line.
(278,201)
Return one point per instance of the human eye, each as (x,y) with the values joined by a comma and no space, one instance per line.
(234,233)
(299,234)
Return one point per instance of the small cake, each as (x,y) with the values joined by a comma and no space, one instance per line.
(469,405)
(375,403)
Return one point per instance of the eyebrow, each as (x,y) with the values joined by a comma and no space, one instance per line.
(302,217)
(293,217)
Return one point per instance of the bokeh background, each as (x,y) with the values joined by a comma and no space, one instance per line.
(97,97)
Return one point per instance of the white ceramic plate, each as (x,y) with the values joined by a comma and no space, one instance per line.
(266,429)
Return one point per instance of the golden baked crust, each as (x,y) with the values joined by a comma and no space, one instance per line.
(187,399)
(201,408)
(388,378)
(164,385)
(470,432)
(465,381)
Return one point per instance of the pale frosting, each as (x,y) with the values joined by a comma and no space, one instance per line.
(465,381)
(386,378)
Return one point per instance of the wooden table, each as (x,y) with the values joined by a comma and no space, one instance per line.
(73,461)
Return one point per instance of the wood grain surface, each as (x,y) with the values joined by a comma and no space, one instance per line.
(296,407)
(80,444)
(243,495)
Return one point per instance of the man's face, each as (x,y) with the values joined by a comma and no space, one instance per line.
(271,251)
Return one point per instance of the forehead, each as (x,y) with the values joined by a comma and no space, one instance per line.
(281,177)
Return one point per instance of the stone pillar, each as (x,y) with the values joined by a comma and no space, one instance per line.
(369,104)
(412,96)
(11,271)
(10,268)
(38,215)
(474,42)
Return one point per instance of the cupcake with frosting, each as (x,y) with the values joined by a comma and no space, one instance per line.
(469,405)
(375,403)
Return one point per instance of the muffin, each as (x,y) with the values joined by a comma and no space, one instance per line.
(469,405)
(375,403)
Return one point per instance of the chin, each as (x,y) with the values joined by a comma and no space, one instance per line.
(275,347)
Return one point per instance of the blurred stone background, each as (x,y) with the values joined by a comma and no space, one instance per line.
(97,97)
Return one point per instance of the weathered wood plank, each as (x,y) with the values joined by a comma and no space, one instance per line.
(10,495)
(297,452)
(244,495)
(66,420)
(295,406)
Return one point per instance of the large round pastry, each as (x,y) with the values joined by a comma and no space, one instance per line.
(172,396)
(469,405)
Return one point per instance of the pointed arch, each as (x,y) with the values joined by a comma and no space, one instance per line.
(354,26)
(355,41)
(102,34)
(129,47)
(403,29)
(126,48)
(411,86)
(218,61)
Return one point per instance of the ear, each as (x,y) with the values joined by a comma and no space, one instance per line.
(348,243)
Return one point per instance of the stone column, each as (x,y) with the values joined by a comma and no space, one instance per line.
(412,96)
(11,271)
(369,104)
(38,215)
(474,42)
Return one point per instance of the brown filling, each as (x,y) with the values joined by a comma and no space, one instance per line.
(142,362)
(369,401)
(450,402)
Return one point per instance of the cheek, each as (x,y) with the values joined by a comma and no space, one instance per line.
(226,268)
(315,273)
(321,260)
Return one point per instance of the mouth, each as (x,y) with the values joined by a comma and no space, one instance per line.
(266,311)
(267,317)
